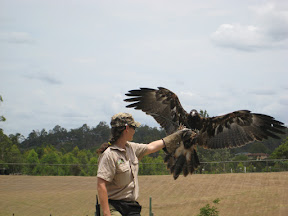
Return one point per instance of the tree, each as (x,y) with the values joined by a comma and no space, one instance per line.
(282,151)
(33,160)
(73,169)
(32,157)
(204,113)
(17,138)
(14,156)
(93,162)
(258,147)
(241,157)
(75,151)
(2,118)
(5,145)
(51,156)
(83,159)
(146,134)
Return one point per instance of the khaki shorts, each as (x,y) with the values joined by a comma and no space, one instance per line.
(113,211)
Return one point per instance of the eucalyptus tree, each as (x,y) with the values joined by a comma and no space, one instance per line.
(2,118)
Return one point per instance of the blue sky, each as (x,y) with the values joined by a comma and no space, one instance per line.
(70,63)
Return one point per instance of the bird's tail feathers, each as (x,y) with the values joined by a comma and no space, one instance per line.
(184,161)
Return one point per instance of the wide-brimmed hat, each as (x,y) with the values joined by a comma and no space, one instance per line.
(123,119)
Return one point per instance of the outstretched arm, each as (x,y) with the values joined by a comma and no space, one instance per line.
(154,146)
(170,142)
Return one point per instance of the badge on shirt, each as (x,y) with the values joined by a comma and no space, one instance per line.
(120,161)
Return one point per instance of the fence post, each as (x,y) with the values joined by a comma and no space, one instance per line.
(150,207)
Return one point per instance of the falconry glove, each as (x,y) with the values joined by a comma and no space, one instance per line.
(172,142)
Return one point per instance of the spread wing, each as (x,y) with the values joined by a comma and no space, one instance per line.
(227,131)
(237,129)
(162,104)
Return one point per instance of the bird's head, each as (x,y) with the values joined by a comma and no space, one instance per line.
(194,120)
(194,113)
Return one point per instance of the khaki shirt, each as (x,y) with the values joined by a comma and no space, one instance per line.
(119,167)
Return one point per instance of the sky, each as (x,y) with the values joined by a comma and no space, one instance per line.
(70,63)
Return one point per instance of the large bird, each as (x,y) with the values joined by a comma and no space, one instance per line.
(232,130)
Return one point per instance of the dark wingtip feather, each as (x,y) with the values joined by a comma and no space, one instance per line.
(131,99)
(194,162)
(179,166)
(132,105)
(185,169)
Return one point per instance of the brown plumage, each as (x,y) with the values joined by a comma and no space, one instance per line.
(227,131)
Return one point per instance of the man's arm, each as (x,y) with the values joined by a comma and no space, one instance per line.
(103,196)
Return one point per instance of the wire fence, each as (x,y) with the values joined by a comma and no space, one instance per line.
(215,167)
(73,195)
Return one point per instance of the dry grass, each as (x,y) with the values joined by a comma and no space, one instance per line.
(239,194)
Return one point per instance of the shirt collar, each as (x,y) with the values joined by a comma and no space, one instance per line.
(115,147)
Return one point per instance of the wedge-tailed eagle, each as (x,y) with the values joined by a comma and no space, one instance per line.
(234,129)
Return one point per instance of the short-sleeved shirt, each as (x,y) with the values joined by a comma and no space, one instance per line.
(119,167)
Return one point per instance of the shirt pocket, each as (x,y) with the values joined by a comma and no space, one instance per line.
(135,166)
(123,174)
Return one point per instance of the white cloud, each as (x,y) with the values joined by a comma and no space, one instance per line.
(47,78)
(269,31)
(262,91)
(239,37)
(274,20)
(16,37)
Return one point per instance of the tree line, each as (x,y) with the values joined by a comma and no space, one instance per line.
(62,152)
(73,152)
(60,146)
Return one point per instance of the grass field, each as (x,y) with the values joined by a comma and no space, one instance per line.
(239,194)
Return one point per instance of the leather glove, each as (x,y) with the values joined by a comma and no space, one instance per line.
(172,142)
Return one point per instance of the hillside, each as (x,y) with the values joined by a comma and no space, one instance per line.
(256,194)
(86,137)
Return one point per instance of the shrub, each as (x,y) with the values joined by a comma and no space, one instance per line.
(210,210)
